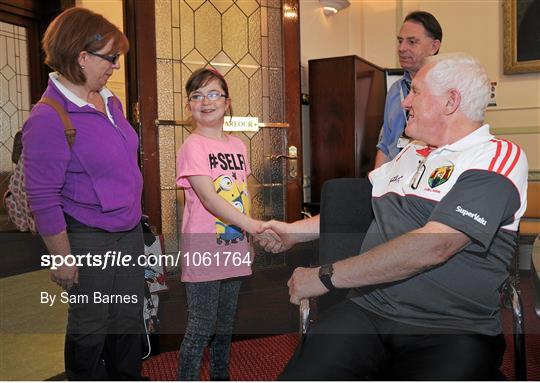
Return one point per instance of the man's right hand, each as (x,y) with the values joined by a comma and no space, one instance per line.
(65,276)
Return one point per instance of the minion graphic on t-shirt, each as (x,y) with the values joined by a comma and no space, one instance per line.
(236,194)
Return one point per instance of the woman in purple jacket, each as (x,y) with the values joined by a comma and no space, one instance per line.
(86,199)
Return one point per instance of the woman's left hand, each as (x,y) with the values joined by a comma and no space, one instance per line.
(65,276)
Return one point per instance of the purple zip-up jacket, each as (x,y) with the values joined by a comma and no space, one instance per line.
(98,182)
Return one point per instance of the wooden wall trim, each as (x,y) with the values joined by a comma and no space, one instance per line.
(25,8)
(515,130)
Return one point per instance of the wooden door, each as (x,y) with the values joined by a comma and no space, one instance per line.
(263,306)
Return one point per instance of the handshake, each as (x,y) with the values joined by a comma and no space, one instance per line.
(273,236)
(276,236)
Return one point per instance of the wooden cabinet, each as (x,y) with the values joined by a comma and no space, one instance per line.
(347,97)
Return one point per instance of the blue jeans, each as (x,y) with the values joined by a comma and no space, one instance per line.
(211,311)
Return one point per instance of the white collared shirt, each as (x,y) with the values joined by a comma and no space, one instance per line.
(104,93)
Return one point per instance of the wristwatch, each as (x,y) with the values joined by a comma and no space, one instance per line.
(325,275)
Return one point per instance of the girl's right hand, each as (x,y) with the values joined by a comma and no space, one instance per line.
(268,239)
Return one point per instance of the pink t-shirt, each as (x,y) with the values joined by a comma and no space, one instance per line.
(210,248)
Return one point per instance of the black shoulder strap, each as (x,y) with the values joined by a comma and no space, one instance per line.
(69,130)
(16,151)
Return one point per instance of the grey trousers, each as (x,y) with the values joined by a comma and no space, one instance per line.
(103,339)
(211,312)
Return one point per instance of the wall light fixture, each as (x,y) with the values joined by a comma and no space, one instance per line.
(331,7)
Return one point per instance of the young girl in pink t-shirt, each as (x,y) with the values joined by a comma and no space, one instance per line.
(213,169)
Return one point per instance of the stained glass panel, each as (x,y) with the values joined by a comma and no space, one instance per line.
(235,33)
(167,151)
(274,38)
(14,93)
(257,157)
(248,6)
(238,87)
(208,30)
(222,63)
(165,89)
(175,13)
(254,35)
(194,60)
(275,86)
(255,92)
(222,5)
(163,29)
(176,43)
(194,4)
(169,220)
(187,28)
(248,65)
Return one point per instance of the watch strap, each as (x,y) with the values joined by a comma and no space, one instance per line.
(325,275)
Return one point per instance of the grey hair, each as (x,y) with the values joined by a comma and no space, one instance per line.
(464,73)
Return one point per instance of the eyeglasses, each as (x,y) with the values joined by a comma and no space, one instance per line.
(113,59)
(212,96)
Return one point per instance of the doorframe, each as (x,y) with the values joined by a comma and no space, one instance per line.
(35,16)
(141,91)
(293,106)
